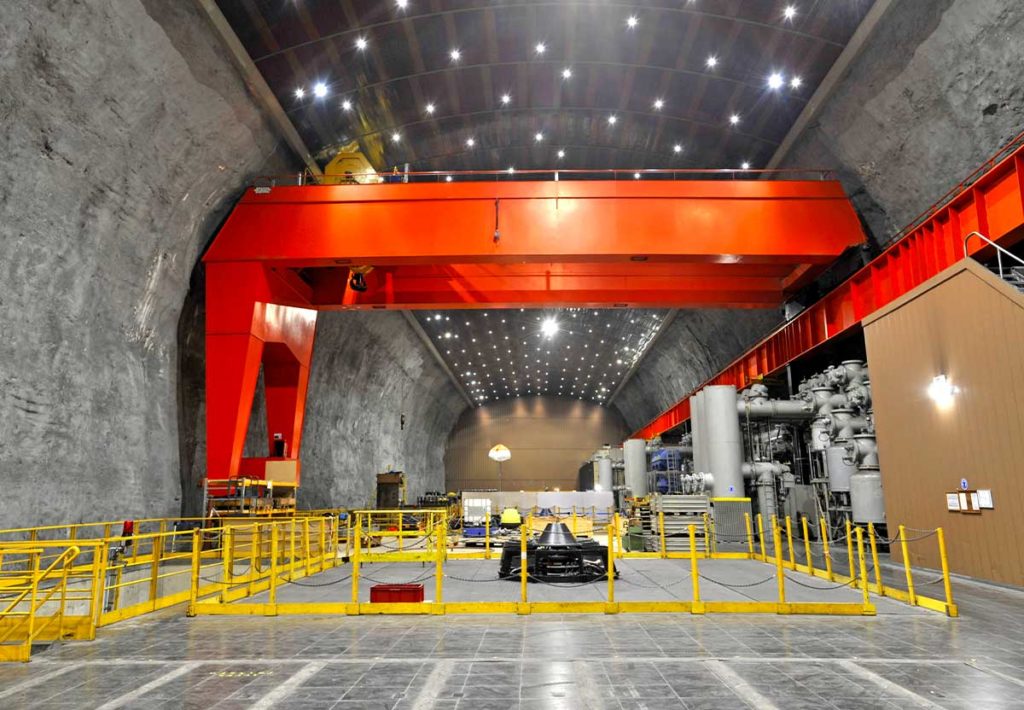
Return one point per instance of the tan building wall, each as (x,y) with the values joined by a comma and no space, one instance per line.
(550,437)
(968,325)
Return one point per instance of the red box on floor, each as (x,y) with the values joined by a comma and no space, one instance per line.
(391,593)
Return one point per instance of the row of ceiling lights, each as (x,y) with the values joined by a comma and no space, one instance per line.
(548,329)
(775,81)
(788,12)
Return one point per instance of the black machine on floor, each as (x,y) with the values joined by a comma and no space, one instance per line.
(557,556)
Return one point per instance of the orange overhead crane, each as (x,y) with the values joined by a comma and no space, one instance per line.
(286,253)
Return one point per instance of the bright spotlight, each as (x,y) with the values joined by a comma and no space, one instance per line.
(549,327)
(942,391)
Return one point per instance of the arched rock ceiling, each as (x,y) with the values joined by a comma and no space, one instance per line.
(581,353)
(389,81)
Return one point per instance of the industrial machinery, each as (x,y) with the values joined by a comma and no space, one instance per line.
(556,556)
(811,453)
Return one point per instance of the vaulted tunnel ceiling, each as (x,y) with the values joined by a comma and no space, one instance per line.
(484,85)
(571,352)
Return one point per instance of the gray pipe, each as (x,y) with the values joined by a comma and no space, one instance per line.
(781,409)
(725,443)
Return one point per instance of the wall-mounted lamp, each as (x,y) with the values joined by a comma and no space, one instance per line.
(942,391)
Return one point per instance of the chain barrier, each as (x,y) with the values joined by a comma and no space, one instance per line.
(320,584)
(735,586)
(411,581)
(792,579)
(233,574)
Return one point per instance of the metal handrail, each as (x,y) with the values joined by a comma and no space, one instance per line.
(999,250)
(307,179)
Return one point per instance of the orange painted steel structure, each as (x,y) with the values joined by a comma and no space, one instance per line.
(993,205)
(286,252)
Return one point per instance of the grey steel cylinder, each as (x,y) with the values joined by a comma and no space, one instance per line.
(766,503)
(697,434)
(634,453)
(604,474)
(866,501)
(840,469)
(725,443)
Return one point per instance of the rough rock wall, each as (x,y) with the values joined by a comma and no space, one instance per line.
(696,346)
(936,90)
(126,133)
(377,401)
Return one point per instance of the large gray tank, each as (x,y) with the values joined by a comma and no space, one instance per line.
(721,424)
(604,474)
(840,469)
(634,454)
(866,497)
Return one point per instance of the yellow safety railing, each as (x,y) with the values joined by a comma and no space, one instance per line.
(34,601)
(363,551)
(856,564)
(112,528)
(240,561)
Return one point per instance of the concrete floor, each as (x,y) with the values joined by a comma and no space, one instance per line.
(526,663)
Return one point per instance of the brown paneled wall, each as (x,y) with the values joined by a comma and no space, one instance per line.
(969,326)
(549,438)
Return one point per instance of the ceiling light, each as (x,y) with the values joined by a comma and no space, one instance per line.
(658,104)
(470,142)
(346,105)
(396,136)
(430,108)
(540,48)
(447,178)
(711,62)
(612,119)
(561,154)
(361,43)
(636,176)
(320,90)
(677,148)
(506,99)
(402,4)
(631,21)
(549,327)
(567,73)
(745,165)
(300,92)
(775,81)
(538,137)
(511,169)
(455,54)
(734,119)
(796,82)
(789,12)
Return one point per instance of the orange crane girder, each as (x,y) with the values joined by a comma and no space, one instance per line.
(285,253)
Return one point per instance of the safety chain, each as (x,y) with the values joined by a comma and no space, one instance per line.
(813,586)
(736,586)
(320,584)
(411,581)
(233,574)
(466,579)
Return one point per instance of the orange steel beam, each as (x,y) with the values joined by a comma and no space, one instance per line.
(284,254)
(993,205)
(716,222)
(524,285)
